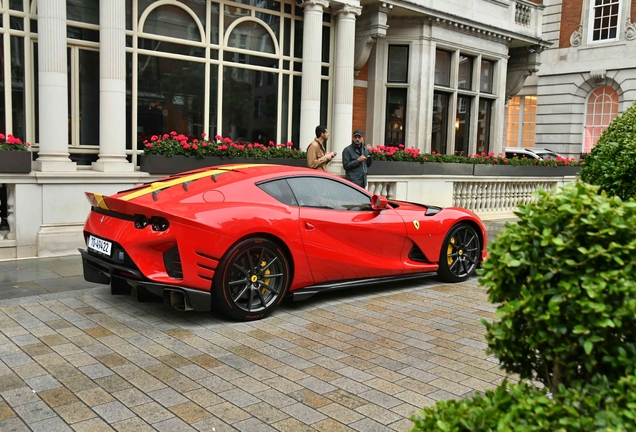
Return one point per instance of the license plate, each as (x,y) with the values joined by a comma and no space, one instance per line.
(99,245)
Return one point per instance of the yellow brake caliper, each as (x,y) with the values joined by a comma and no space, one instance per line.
(265,281)
(449,251)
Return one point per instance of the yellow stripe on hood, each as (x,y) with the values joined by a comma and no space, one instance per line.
(166,184)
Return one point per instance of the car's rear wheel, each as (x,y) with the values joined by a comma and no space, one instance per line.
(252,279)
(460,253)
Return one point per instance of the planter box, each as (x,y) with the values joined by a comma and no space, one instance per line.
(158,164)
(416,168)
(15,162)
(524,171)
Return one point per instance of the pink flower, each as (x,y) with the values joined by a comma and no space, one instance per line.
(290,144)
(195,140)
(216,137)
(203,134)
(2,136)
(186,146)
(249,146)
(149,145)
(173,133)
(204,144)
(194,146)
(241,147)
(184,143)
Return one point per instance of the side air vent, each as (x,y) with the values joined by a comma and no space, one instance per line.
(416,254)
(172,261)
(432,211)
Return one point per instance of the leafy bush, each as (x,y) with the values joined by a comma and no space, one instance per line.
(601,406)
(612,163)
(174,144)
(564,279)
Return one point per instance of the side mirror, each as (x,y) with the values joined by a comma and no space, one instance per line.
(378,202)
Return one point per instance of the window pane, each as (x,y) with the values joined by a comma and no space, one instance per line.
(605,20)
(529,120)
(272,21)
(326,37)
(328,194)
(514,106)
(602,108)
(170,97)
(298,38)
(86,11)
(129,76)
(395,116)
(486,77)
(264,4)
(173,22)
(324,101)
(439,131)
(16,5)
(398,63)
(89,97)
(284,112)
(295,138)
(214,100)
(214,23)
(465,77)
(442,68)
(250,105)
(483,125)
(252,36)
(17,86)
(462,125)
(3,114)
(280,190)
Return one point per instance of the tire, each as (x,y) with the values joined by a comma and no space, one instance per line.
(252,279)
(460,253)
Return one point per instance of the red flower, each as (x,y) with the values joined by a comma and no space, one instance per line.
(149,145)
(194,146)
(186,146)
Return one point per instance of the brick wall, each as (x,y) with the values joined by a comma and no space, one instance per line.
(571,11)
(360,101)
(633,10)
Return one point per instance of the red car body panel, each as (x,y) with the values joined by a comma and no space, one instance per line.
(209,210)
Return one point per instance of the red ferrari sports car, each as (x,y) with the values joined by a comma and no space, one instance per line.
(241,238)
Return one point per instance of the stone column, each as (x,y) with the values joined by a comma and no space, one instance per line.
(112,88)
(53,88)
(343,80)
(312,56)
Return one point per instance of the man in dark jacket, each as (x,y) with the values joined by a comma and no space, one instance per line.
(356,158)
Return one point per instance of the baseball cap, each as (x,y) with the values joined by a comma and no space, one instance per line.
(358,132)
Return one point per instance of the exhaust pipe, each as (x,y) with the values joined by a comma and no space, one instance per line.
(179,301)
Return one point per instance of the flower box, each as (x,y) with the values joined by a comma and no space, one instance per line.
(416,168)
(15,162)
(160,164)
(525,170)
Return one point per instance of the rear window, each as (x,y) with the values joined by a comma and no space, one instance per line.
(279,190)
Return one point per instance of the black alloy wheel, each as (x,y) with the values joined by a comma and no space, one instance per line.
(252,280)
(460,253)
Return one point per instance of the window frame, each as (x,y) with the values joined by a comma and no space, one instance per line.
(587,101)
(475,95)
(590,23)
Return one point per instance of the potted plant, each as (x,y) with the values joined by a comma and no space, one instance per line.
(172,153)
(15,157)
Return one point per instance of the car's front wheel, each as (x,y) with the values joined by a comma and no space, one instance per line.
(460,253)
(251,281)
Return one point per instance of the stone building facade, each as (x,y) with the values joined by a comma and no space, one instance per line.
(587,76)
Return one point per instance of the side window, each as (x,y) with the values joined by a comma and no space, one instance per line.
(318,192)
(279,189)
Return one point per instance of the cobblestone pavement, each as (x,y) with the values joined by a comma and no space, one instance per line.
(362,360)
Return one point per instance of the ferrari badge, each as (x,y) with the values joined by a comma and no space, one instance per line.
(417,224)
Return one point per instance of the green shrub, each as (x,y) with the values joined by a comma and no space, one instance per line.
(601,406)
(564,279)
(612,163)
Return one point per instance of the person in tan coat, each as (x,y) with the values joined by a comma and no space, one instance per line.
(317,158)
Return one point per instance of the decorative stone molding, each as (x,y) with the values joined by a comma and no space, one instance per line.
(466,28)
(523,62)
(339,9)
(323,3)
(577,37)
(599,76)
(370,27)
(630,30)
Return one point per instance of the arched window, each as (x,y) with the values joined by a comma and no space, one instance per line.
(172,21)
(602,108)
(252,36)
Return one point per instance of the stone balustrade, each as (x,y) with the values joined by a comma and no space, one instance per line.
(489,197)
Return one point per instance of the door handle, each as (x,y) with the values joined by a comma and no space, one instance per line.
(309,226)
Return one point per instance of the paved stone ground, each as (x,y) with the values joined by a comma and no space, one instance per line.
(363,360)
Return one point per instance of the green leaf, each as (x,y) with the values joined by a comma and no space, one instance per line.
(587,346)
